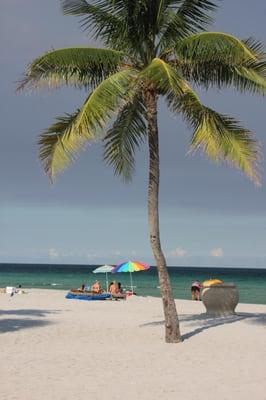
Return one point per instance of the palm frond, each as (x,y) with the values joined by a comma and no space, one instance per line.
(195,14)
(114,23)
(126,134)
(108,21)
(206,45)
(61,142)
(219,59)
(71,66)
(223,138)
(58,147)
(184,18)
(219,136)
(97,18)
(163,77)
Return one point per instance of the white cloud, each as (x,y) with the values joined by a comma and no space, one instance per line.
(92,256)
(117,253)
(53,253)
(218,252)
(178,252)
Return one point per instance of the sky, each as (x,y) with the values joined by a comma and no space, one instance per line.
(210,215)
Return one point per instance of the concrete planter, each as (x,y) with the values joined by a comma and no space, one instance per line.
(221,299)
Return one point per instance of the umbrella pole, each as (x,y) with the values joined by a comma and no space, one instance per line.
(106,282)
(131,282)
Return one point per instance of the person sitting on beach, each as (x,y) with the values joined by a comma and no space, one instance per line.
(119,287)
(19,289)
(195,290)
(113,288)
(115,291)
(15,290)
(82,288)
(96,287)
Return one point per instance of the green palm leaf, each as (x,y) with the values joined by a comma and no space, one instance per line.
(219,136)
(97,18)
(73,66)
(194,14)
(215,58)
(126,134)
(183,19)
(163,77)
(101,19)
(58,147)
(222,138)
(60,143)
(221,46)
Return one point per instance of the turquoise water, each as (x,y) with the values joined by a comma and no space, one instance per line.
(250,282)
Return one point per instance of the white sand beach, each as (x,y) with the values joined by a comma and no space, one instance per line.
(52,347)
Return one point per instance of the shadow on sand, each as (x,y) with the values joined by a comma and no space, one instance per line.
(16,324)
(207,322)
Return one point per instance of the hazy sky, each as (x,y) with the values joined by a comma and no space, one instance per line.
(210,215)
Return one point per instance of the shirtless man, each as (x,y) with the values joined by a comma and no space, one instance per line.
(113,289)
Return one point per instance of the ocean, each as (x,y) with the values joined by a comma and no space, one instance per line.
(250,282)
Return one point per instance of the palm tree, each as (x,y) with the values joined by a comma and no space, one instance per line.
(153,48)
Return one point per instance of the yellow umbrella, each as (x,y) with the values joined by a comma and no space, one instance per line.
(211,282)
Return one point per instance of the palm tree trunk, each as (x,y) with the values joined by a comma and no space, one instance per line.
(172,332)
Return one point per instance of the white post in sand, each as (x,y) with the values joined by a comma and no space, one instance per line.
(131,282)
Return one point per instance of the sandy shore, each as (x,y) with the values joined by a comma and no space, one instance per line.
(52,347)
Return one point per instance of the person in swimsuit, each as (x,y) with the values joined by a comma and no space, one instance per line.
(82,288)
(113,288)
(96,287)
(114,291)
(119,287)
(195,290)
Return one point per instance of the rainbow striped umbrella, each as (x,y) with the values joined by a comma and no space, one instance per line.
(130,266)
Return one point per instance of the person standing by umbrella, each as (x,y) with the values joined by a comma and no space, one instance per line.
(195,290)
